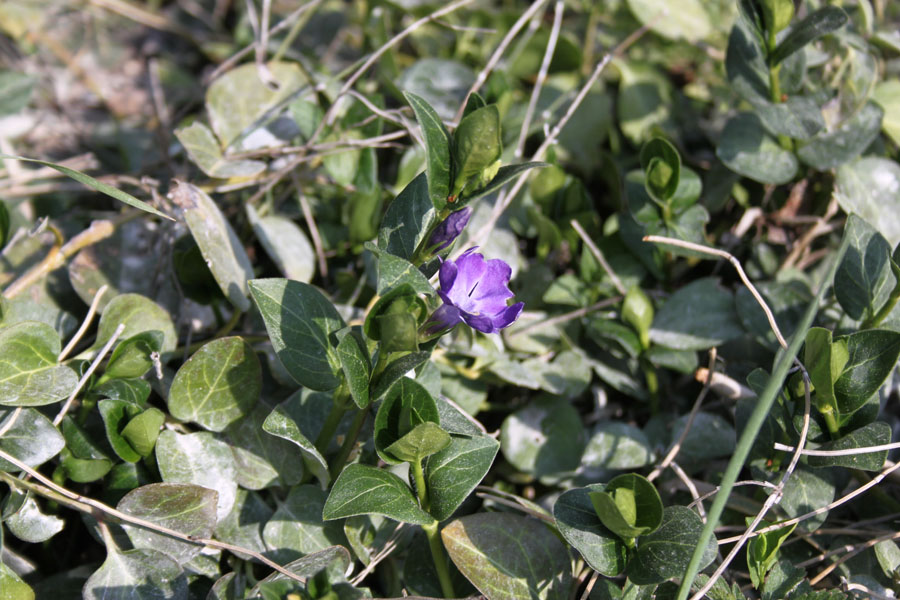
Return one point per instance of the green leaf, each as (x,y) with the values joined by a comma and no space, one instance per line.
(133,357)
(746,149)
(136,575)
(15,93)
(218,385)
(89,181)
(32,438)
(710,436)
(617,445)
(405,406)
(116,414)
(187,508)
(356,365)
(365,490)
(863,280)
(799,117)
(29,371)
(30,524)
(873,354)
(282,423)
(219,244)
(629,506)
(697,317)
(438,168)
(830,149)
(335,559)
(239,99)
(873,434)
(665,553)
(637,311)
(806,491)
(762,552)
(421,441)
(394,271)
(825,361)
(297,527)
(143,430)
(453,473)
(509,557)
(243,526)
(815,25)
(476,145)
(139,314)
(887,95)
(544,438)
(12,587)
(301,323)
(662,169)
(287,245)
(674,19)
(778,14)
(4,224)
(407,220)
(581,527)
(395,371)
(888,555)
(504,175)
(204,150)
(442,83)
(870,188)
(262,460)
(201,459)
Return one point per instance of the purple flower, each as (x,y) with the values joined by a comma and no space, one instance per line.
(449,229)
(475,291)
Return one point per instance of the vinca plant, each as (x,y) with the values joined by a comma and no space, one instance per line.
(548,300)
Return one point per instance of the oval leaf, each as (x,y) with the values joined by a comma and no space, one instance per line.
(365,490)
(29,372)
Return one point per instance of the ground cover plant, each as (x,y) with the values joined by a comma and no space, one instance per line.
(548,300)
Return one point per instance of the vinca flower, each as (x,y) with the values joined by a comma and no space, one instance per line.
(475,291)
(449,229)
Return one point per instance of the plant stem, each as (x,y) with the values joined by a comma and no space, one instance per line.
(831,422)
(440,559)
(775,90)
(652,381)
(338,465)
(431,531)
(885,310)
(338,409)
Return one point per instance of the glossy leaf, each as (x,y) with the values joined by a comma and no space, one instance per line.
(746,149)
(806,491)
(662,169)
(815,25)
(218,385)
(421,441)
(281,423)
(134,356)
(29,372)
(863,280)
(872,354)
(116,414)
(453,473)
(262,460)
(395,371)
(143,429)
(204,150)
(287,244)
(394,271)
(405,406)
(31,524)
(698,316)
(674,19)
(219,244)
(870,188)
(509,557)
(438,168)
(407,220)
(137,575)
(666,552)
(200,459)
(504,175)
(830,149)
(629,506)
(356,365)
(545,438)
(825,361)
(301,323)
(616,445)
(189,509)
(873,434)
(297,527)
(139,314)
(476,145)
(364,490)
(579,524)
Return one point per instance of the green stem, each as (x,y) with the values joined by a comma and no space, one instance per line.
(652,380)
(338,465)
(885,310)
(440,559)
(831,422)
(421,489)
(338,409)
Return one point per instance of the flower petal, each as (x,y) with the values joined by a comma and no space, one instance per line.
(450,228)
(470,269)
(482,323)
(493,290)
(446,316)
(508,316)
(447,275)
